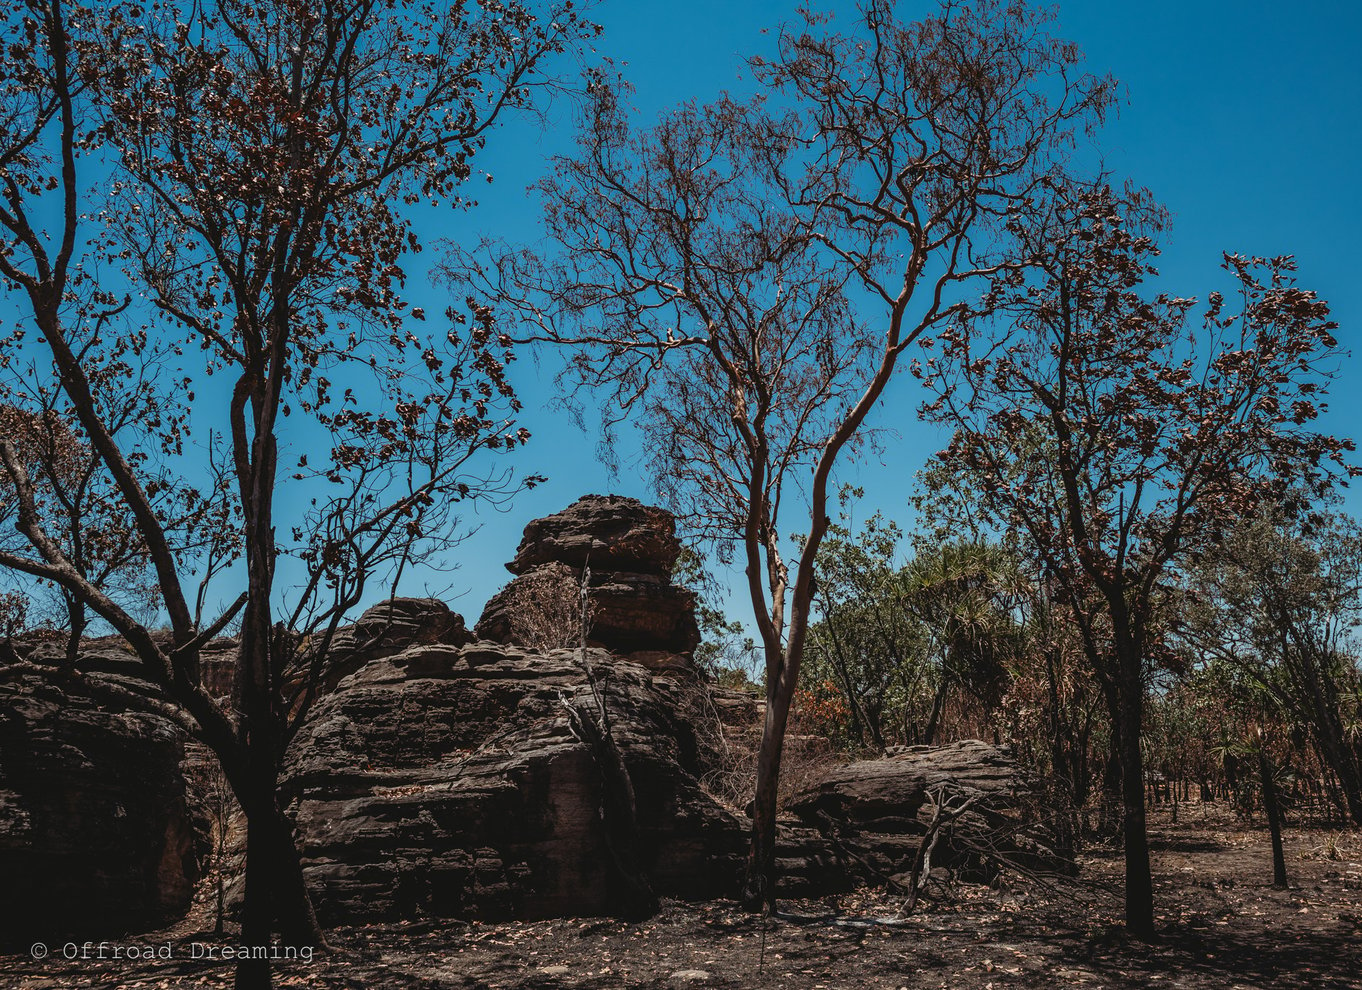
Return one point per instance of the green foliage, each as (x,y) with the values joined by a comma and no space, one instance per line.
(894,639)
(726,652)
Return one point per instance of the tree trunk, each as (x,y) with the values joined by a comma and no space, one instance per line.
(861,726)
(1311,671)
(257,913)
(934,719)
(75,610)
(1274,818)
(276,892)
(276,895)
(759,889)
(1139,882)
(1340,760)
(1109,819)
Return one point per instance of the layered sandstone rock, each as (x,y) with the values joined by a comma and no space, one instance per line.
(97,835)
(877,811)
(634,609)
(609,532)
(388,628)
(446,781)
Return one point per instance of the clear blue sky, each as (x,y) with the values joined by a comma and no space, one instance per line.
(1243,117)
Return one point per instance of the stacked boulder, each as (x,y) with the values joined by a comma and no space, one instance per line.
(633,609)
(441,777)
(878,812)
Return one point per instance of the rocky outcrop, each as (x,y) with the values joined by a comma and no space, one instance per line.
(610,532)
(634,609)
(388,628)
(447,781)
(438,776)
(383,629)
(97,835)
(876,812)
(443,777)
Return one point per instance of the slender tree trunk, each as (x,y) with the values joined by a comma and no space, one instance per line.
(276,893)
(934,719)
(263,862)
(1345,769)
(1063,748)
(860,721)
(75,610)
(1274,818)
(759,891)
(257,911)
(275,889)
(1109,819)
(1139,881)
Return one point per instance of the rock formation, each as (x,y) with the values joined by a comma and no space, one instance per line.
(446,781)
(609,532)
(441,777)
(630,549)
(438,776)
(877,811)
(388,628)
(97,835)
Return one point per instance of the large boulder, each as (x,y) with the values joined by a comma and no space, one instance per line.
(609,532)
(447,781)
(97,835)
(878,811)
(629,550)
(383,629)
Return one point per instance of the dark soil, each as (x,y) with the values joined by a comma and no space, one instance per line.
(1222,927)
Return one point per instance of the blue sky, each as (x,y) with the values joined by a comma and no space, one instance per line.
(1241,117)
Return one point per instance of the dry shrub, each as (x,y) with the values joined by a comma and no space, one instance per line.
(811,748)
(732,777)
(729,752)
(725,767)
(545,608)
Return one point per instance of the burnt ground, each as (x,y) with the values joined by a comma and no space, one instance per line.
(1222,927)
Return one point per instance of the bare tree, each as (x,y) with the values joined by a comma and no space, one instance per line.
(743,281)
(268,157)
